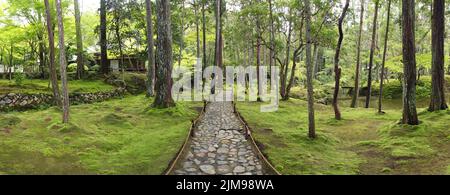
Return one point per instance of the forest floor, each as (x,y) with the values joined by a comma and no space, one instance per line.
(364,142)
(43,86)
(121,136)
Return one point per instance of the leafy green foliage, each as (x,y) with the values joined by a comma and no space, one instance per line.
(19,78)
(73,67)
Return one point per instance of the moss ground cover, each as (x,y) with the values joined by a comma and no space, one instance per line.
(42,86)
(113,137)
(364,142)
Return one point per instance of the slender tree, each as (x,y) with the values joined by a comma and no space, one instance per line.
(117,25)
(285,66)
(51,47)
(358,58)
(1,62)
(180,54)
(80,59)
(309,70)
(438,78)
(218,46)
(150,52)
(11,60)
(297,52)
(63,63)
(337,69)
(409,63)
(315,60)
(372,53)
(205,59)
(382,72)
(164,57)
(204,33)
(197,28)
(103,40)
(218,42)
(272,37)
(259,35)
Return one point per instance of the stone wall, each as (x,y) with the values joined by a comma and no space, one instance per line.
(10,102)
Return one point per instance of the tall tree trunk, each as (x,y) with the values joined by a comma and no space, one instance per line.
(105,69)
(150,52)
(272,38)
(297,53)
(292,78)
(219,38)
(221,45)
(263,53)
(258,59)
(180,54)
(315,60)
(63,63)
(197,29)
(218,42)
(358,59)
(11,60)
(52,67)
(309,72)
(80,61)
(409,63)
(1,62)
(438,77)
(205,59)
(337,70)
(285,67)
(164,56)
(372,52)
(386,37)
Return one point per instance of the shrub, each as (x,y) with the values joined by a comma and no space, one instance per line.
(394,88)
(95,68)
(73,67)
(19,78)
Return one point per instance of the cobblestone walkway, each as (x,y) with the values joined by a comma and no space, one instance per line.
(219,146)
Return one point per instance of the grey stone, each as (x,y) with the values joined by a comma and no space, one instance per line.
(223,150)
(223,169)
(239,169)
(211,155)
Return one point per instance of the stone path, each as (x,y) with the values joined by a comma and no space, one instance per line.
(219,146)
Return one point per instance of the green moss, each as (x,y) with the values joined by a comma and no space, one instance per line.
(448,170)
(386,170)
(364,142)
(112,137)
(6,121)
(283,135)
(404,141)
(64,128)
(42,86)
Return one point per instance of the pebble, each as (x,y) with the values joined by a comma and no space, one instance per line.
(239,169)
